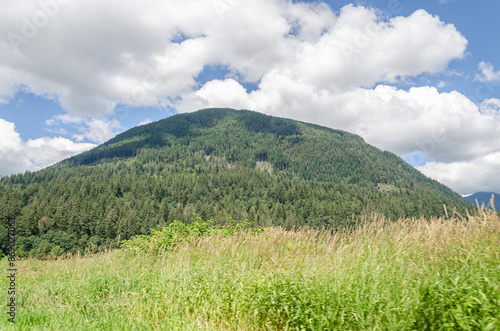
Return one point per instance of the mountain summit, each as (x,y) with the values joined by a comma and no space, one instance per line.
(218,164)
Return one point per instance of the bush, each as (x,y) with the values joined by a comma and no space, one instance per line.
(178,233)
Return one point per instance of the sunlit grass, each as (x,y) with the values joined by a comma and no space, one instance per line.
(405,275)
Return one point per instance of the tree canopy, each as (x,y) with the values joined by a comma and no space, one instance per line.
(218,164)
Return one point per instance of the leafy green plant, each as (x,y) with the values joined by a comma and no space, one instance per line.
(178,233)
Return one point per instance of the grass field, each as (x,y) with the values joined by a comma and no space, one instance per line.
(439,274)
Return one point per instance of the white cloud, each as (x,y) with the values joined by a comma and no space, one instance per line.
(145,121)
(466,177)
(487,73)
(19,156)
(96,130)
(10,140)
(309,62)
(65,119)
(99,130)
(442,84)
(94,55)
(490,108)
(13,159)
(7,85)
(47,151)
(360,50)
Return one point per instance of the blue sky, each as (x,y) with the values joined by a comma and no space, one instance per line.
(418,78)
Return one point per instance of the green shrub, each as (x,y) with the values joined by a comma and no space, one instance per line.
(178,233)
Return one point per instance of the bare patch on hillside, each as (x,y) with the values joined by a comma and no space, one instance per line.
(264,165)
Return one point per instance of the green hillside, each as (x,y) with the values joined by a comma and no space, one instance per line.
(219,164)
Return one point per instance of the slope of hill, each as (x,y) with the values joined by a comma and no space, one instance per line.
(484,198)
(218,164)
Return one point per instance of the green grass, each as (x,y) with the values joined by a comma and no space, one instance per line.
(440,274)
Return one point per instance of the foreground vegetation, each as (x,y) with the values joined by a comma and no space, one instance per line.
(438,274)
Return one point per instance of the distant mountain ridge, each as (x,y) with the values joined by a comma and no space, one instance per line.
(218,164)
(484,198)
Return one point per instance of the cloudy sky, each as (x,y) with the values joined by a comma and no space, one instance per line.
(418,78)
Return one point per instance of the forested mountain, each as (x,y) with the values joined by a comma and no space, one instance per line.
(217,164)
(484,198)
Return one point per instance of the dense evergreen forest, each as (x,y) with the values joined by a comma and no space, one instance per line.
(218,164)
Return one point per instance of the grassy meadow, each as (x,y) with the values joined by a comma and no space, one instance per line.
(438,274)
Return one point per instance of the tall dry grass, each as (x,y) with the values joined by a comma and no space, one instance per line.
(437,274)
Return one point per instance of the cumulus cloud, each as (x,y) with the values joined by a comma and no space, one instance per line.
(94,55)
(7,85)
(487,73)
(309,62)
(45,151)
(11,149)
(145,121)
(466,177)
(19,156)
(360,50)
(99,130)
(490,108)
(143,53)
(96,130)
